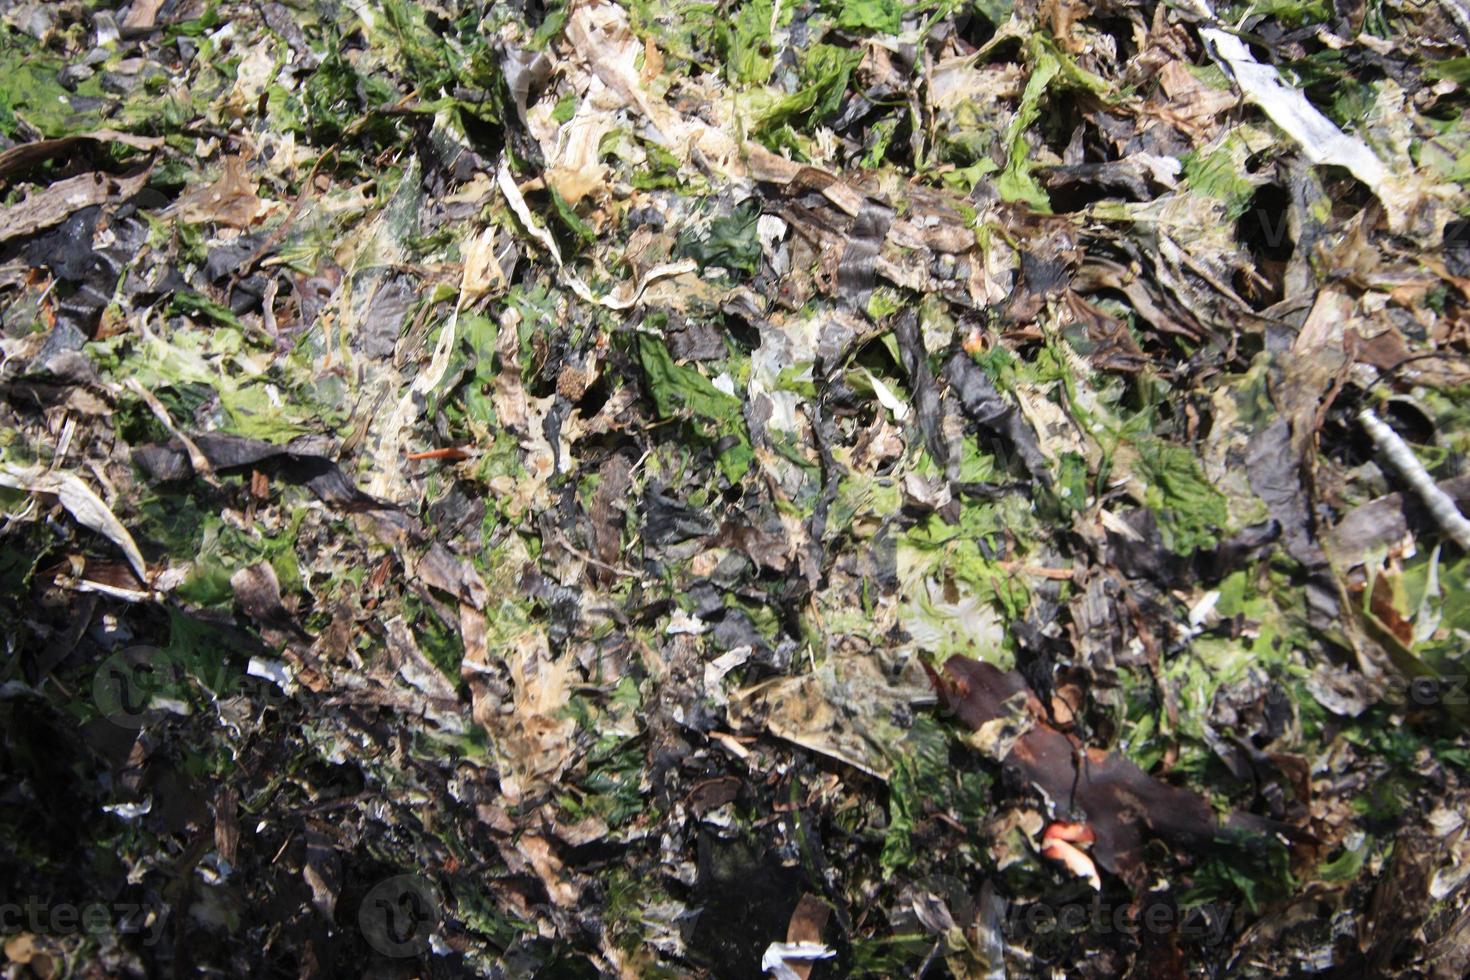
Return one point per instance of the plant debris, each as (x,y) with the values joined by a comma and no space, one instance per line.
(645,488)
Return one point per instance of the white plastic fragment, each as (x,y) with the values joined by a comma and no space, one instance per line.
(1202,609)
(682,622)
(1321,141)
(776,955)
(886,397)
(269,670)
(716,669)
(1441,505)
(130,811)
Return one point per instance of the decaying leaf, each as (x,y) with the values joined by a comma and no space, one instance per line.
(523,461)
(1119,802)
(46,207)
(88,509)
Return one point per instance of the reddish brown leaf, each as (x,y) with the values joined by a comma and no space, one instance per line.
(1120,801)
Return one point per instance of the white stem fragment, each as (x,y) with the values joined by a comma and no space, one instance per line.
(1440,505)
(197,459)
(886,397)
(517,202)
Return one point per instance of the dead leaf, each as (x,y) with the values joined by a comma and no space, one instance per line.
(231,200)
(1120,801)
(322,871)
(808,922)
(52,205)
(24,156)
(142,14)
(86,507)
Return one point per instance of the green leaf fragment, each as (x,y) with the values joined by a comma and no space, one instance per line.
(876,15)
(732,242)
(679,391)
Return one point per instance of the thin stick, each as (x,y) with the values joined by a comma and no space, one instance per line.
(1441,505)
(451,453)
(1038,571)
(197,459)
(279,232)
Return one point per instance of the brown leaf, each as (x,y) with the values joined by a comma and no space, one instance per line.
(1120,801)
(142,14)
(25,156)
(322,871)
(259,592)
(808,920)
(606,513)
(52,205)
(542,859)
(231,200)
(227,823)
(442,570)
(1383,606)
(711,794)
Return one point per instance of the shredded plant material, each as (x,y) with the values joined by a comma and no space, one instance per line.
(838,488)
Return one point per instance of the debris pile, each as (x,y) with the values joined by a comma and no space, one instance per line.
(654,488)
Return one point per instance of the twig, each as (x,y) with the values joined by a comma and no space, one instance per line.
(575,552)
(452,453)
(279,232)
(929,959)
(197,459)
(1441,505)
(1037,571)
